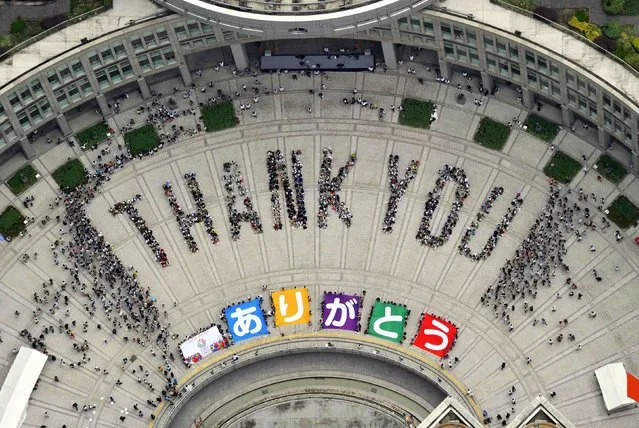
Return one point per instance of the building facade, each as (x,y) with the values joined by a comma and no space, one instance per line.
(145,51)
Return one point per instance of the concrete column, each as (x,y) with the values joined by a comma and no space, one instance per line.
(487,81)
(390,57)
(528,98)
(144,88)
(240,58)
(104,106)
(27,148)
(604,138)
(186,75)
(567,116)
(445,69)
(63,124)
(634,161)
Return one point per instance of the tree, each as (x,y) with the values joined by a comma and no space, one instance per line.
(633,60)
(18,26)
(546,12)
(608,44)
(613,7)
(612,29)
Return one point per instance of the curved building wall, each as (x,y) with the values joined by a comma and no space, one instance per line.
(133,54)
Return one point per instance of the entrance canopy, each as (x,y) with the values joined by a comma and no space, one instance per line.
(613,382)
(18,386)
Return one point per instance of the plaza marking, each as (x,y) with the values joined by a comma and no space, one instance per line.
(324,335)
(341,311)
(291,306)
(435,335)
(387,321)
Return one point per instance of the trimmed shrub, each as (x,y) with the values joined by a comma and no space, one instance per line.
(612,169)
(612,30)
(546,12)
(18,26)
(491,134)
(11,222)
(524,4)
(608,44)
(582,15)
(219,116)
(142,140)
(70,175)
(633,60)
(416,113)
(623,213)
(562,167)
(93,135)
(52,21)
(635,43)
(624,48)
(22,179)
(613,7)
(591,31)
(541,128)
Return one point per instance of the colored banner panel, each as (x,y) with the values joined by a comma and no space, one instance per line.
(341,311)
(203,345)
(387,321)
(291,306)
(246,320)
(435,335)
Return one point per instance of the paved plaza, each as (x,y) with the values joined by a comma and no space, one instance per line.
(195,287)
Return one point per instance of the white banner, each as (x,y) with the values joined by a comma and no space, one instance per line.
(203,344)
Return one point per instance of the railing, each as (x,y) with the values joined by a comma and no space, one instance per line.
(297,7)
(570,32)
(52,30)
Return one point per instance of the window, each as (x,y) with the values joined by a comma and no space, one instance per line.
(532,76)
(35,115)
(593,109)
(448,49)
(541,63)
(25,94)
(616,107)
(24,120)
(103,80)
(143,60)
(403,24)
(607,118)
(474,56)
(471,37)
(554,69)
(462,54)
(414,25)
(163,36)
(169,56)
(194,28)
(127,70)
(572,98)
(180,31)
(8,131)
(591,90)
(65,74)
(45,108)
(14,100)
(581,84)
(583,103)
(543,83)
(515,71)
(492,64)
(503,68)
(76,67)
(61,98)
(206,28)
(428,27)
(107,56)
(74,94)
(149,40)
(53,79)
(556,90)
(136,42)
(606,100)
(626,114)
(119,51)
(3,115)
(501,48)
(36,87)
(459,34)
(94,60)
(530,58)
(114,74)
(514,51)
(85,87)
(570,78)
(489,43)
(211,40)
(446,33)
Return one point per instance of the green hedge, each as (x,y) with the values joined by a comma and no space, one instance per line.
(142,140)
(492,134)
(623,213)
(219,116)
(93,135)
(541,128)
(562,167)
(416,113)
(70,175)
(11,222)
(611,169)
(621,7)
(23,179)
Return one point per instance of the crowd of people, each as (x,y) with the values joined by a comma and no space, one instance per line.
(233,180)
(295,206)
(129,208)
(329,189)
(501,228)
(448,173)
(397,188)
(201,214)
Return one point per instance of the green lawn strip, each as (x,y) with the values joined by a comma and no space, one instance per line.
(70,175)
(491,134)
(541,128)
(142,140)
(93,135)
(11,222)
(611,169)
(562,167)
(219,116)
(416,113)
(23,179)
(623,213)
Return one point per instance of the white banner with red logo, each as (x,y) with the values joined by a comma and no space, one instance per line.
(203,344)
